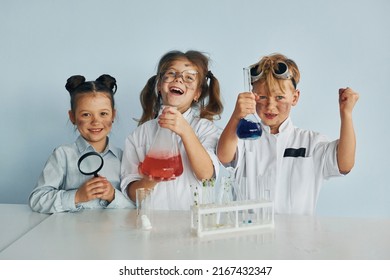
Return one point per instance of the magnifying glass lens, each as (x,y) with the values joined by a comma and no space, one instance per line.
(90,163)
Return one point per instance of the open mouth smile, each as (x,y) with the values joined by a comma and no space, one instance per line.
(96,130)
(176,90)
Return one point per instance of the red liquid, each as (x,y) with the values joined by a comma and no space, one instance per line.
(162,169)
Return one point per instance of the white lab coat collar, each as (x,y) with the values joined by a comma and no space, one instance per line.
(187,113)
(284,128)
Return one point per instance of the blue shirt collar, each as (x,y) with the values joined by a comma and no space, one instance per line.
(84,147)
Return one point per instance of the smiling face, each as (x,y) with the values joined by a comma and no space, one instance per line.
(274,105)
(93,116)
(178,92)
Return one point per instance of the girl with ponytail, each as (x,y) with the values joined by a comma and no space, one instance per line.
(190,94)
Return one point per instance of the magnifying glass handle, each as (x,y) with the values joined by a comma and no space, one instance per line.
(95,175)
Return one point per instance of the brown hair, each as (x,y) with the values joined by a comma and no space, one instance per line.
(209,103)
(77,85)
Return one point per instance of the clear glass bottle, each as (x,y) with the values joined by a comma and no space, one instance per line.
(249,127)
(163,161)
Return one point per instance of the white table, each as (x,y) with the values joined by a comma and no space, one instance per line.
(112,234)
(15,221)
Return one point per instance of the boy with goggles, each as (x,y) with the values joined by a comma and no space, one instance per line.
(287,164)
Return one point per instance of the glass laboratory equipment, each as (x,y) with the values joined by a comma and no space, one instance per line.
(249,127)
(163,161)
(144,205)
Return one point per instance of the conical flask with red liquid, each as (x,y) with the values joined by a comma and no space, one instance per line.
(163,160)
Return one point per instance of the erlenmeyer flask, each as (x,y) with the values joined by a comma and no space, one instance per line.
(248,127)
(163,160)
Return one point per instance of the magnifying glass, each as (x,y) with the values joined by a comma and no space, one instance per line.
(90,163)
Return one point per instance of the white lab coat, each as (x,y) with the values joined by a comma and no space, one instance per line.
(175,194)
(291,177)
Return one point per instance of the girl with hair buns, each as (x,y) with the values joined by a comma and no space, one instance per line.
(190,95)
(61,186)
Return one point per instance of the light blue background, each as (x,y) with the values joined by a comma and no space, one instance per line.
(336,43)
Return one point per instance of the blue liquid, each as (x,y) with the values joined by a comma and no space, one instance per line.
(248,130)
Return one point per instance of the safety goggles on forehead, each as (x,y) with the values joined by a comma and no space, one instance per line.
(280,71)
(188,76)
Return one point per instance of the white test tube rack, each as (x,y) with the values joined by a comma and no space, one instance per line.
(208,219)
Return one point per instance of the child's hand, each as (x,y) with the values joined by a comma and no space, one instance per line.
(97,187)
(108,192)
(347,100)
(245,105)
(172,119)
(147,178)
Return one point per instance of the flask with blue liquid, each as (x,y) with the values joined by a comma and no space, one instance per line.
(249,127)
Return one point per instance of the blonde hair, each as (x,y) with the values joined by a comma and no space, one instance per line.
(269,64)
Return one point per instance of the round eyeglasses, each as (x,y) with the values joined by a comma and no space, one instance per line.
(188,76)
(280,72)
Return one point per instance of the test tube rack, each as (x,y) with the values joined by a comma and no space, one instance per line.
(235,216)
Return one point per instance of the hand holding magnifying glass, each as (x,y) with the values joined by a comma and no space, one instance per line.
(90,164)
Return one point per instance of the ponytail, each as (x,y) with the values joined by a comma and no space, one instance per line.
(150,100)
(214,107)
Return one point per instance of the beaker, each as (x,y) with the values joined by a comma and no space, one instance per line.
(249,127)
(144,205)
(163,160)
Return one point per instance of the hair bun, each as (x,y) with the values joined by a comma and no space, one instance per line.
(108,81)
(73,82)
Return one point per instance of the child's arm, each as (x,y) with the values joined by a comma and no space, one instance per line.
(226,149)
(347,143)
(48,196)
(142,183)
(199,159)
(228,141)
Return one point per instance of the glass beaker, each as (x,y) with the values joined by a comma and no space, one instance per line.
(249,127)
(163,160)
(144,205)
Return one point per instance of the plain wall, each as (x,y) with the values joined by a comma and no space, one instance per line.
(335,43)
